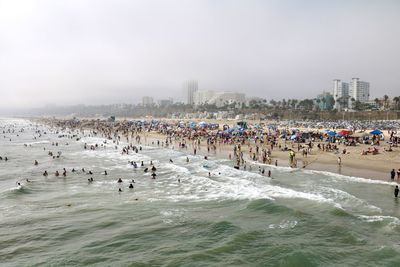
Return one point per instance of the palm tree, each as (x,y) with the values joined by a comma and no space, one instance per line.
(396,101)
(377,102)
(386,100)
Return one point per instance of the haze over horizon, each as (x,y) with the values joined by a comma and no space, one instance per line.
(100,52)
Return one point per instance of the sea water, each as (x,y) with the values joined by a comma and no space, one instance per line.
(231,218)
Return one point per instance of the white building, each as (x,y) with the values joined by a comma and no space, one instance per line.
(227,98)
(203,97)
(189,88)
(340,94)
(359,90)
(218,98)
(147,101)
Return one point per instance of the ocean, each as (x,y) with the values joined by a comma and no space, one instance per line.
(184,217)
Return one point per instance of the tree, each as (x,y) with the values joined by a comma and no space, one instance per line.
(396,101)
(386,101)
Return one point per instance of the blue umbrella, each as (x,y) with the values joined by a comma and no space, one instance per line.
(375,132)
(331,133)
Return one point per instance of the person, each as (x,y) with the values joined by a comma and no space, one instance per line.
(146,170)
(398,174)
(269,173)
(392,174)
(396,191)
(339,161)
(153,168)
(45,173)
(276,163)
(170,160)
(119,180)
(120,190)
(105,172)
(154,175)
(187,159)
(130,186)
(36,162)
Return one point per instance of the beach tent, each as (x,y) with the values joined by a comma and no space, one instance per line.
(376,132)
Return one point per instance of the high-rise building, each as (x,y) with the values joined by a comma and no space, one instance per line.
(359,90)
(147,101)
(189,88)
(340,94)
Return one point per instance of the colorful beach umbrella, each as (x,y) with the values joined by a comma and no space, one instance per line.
(376,132)
(331,133)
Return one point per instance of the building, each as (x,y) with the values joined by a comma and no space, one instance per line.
(203,97)
(228,98)
(359,91)
(340,94)
(219,99)
(147,101)
(189,89)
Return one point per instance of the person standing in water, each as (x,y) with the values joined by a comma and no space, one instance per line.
(396,191)
(392,174)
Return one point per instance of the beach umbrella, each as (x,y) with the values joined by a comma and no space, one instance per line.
(344,132)
(331,133)
(293,137)
(376,132)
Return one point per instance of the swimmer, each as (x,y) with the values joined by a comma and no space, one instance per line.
(170,160)
(131,186)
(146,170)
(36,163)
(133,181)
(120,190)
(396,191)
(153,168)
(153,175)
(57,173)
(105,172)
(269,173)
(45,173)
(187,159)
(119,180)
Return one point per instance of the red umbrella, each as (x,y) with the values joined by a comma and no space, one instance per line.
(345,132)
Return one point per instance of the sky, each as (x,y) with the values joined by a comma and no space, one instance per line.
(116,51)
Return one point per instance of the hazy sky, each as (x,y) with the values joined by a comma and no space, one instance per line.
(97,51)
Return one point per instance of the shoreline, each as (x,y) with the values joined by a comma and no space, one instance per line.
(315,161)
(353,161)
